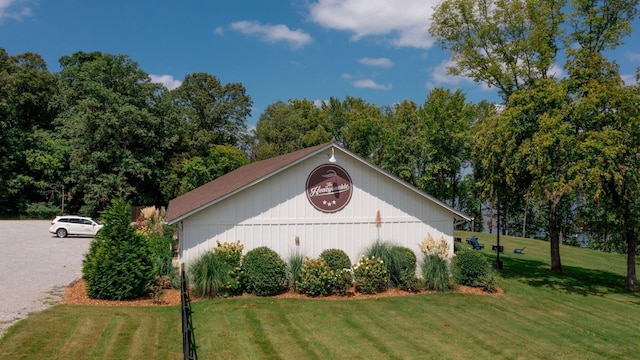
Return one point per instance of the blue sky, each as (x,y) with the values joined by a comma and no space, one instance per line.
(377,50)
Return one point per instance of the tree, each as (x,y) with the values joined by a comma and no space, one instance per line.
(118,264)
(287,127)
(29,151)
(213,114)
(446,139)
(117,141)
(506,44)
(198,171)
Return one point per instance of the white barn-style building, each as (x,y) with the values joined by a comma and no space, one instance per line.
(310,200)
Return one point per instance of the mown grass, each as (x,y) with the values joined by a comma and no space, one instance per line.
(584,313)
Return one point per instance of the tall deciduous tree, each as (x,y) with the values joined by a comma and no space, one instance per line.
(506,44)
(286,127)
(117,143)
(29,151)
(213,113)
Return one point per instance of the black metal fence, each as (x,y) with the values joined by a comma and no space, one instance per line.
(188,337)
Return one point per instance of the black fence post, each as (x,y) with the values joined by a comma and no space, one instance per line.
(188,337)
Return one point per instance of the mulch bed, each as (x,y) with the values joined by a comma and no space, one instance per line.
(76,293)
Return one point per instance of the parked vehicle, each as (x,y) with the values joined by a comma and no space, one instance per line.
(74,225)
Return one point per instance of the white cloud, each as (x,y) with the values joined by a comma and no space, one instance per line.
(633,56)
(370,84)
(15,9)
(379,62)
(167,80)
(403,22)
(219,30)
(346,76)
(629,79)
(273,33)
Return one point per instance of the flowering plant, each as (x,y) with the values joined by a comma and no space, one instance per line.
(370,275)
(430,247)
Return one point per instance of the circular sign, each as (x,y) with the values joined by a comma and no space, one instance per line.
(329,188)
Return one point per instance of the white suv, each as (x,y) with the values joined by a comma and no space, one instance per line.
(74,225)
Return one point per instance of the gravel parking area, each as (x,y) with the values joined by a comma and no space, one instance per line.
(35,268)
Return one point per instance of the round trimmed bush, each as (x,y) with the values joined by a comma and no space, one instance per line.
(264,273)
(402,267)
(470,267)
(336,259)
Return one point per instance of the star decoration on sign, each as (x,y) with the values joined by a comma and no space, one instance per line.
(328,203)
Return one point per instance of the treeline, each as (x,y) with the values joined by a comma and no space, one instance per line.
(99,129)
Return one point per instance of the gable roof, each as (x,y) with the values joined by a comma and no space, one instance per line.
(218,189)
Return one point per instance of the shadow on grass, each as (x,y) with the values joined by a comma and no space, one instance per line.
(573,280)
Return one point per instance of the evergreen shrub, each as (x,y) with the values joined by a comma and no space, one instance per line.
(336,259)
(264,273)
(470,268)
(118,265)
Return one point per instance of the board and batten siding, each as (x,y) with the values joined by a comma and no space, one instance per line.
(276,210)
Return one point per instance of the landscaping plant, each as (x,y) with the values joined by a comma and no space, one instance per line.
(264,273)
(336,259)
(399,261)
(435,271)
(118,264)
(370,275)
(316,278)
(217,272)
(294,268)
(471,268)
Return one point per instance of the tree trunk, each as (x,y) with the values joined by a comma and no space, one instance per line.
(554,233)
(632,244)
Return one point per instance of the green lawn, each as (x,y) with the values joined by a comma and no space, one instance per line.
(582,314)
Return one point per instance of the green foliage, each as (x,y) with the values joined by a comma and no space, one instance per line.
(336,259)
(470,268)
(217,272)
(42,211)
(316,278)
(212,276)
(397,260)
(294,268)
(435,273)
(343,281)
(118,265)
(370,275)
(264,273)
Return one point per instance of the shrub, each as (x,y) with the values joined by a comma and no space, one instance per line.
(397,259)
(370,275)
(316,278)
(294,268)
(41,210)
(402,268)
(217,272)
(435,273)
(470,268)
(118,264)
(343,281)
(336,259)
(409,281)
(264,273)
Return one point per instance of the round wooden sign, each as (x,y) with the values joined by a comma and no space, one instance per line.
(329,188)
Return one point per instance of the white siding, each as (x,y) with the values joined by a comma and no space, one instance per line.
(275,211)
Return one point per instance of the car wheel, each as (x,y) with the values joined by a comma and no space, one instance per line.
(61,232)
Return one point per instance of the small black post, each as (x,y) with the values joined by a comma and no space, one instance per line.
(497,263)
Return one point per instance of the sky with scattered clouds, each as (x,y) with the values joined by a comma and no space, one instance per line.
(377,50)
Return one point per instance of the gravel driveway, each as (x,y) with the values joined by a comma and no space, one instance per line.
(35,268)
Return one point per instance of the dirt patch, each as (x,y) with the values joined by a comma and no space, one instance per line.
(76,293)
